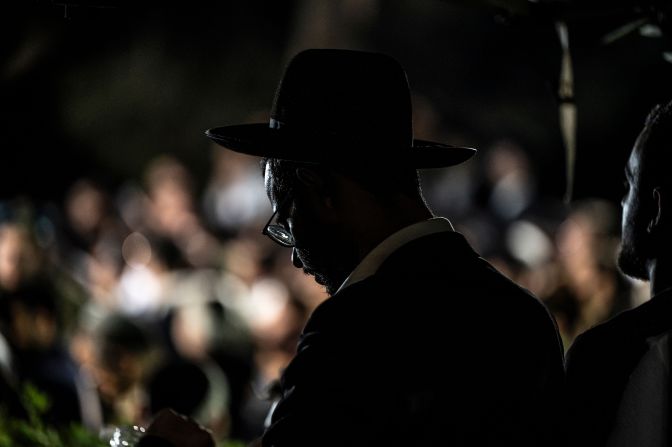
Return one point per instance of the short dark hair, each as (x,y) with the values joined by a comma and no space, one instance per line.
(657,146)
(383,181)
(36,294)
(184,399)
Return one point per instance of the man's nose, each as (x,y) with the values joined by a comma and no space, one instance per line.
(295,259)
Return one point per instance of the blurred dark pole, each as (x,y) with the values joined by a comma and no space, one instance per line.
(584,27)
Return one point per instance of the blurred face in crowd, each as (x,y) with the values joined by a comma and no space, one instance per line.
(19,258)
(637,213)
(321,249)
(85,207)
(32,327)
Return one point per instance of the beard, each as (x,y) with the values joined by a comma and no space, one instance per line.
(329,265)
(632,258)
(331,282)
(632,263)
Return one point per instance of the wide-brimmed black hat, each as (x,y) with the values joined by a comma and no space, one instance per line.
(341,106)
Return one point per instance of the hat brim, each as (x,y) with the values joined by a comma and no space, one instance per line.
(284,143)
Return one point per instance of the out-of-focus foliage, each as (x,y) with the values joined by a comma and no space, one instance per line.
(35,432)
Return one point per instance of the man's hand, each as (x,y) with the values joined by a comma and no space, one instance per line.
(175,430)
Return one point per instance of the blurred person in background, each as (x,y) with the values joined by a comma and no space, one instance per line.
(199,391)
(409,349)
(31,324)
(234,200)
(591,289)
(618,373)
(276,317)
(506,193)
(511,183)
(118,354)
(40,309)
(151,264)
(90,217)
(20,257)
(172,212)
(90,243)
(205,330)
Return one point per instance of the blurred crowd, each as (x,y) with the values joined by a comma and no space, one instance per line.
(117,303)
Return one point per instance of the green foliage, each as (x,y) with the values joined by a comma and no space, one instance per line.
(231,443)
(34,432)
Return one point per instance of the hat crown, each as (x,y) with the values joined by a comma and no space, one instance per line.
(338,107)
(360,96)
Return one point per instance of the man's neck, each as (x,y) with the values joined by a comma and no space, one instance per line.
(660,274)
(374,233)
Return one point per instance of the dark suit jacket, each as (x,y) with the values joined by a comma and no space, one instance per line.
(600,365)
(436,348)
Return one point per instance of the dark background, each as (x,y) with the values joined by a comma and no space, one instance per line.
(99,88)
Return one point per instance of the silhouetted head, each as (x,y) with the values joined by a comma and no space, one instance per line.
(341,158)
(646,223)
(332,217)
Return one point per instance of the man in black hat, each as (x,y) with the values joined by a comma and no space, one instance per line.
(422,342)
(618,373)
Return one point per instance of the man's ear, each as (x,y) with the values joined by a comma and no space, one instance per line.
(316,183)
(309,178)
(660,211)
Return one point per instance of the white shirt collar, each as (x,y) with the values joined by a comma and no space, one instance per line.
(372,262)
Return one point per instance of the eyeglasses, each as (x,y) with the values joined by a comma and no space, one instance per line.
(277,232)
